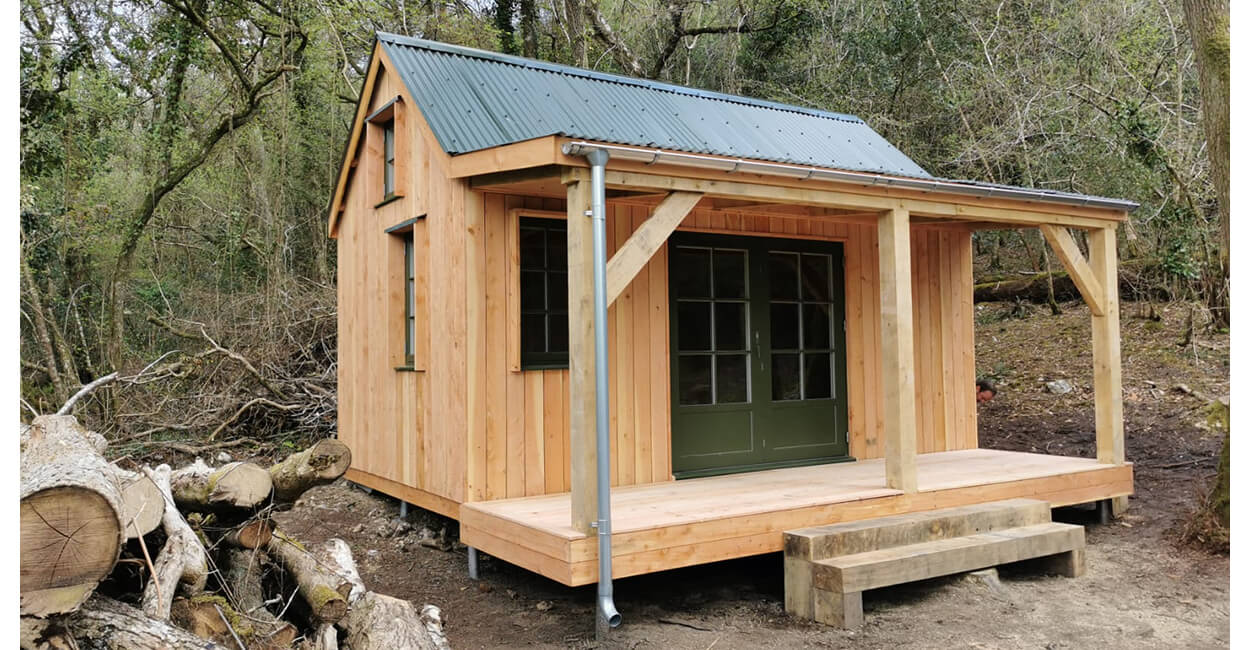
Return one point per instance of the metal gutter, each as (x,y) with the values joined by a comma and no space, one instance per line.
(802,172)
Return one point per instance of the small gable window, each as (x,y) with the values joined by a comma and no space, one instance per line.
(544,293)
(388,160)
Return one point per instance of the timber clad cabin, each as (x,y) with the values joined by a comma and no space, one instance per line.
(790,329)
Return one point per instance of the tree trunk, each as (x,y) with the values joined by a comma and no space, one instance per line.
(59,388)
(337,556)
(378,622)
(243,572)
(1208,22)
(143,505)
(234,486)
(71,516)
(182,560)
(322,463)
(324,592)
(108,624)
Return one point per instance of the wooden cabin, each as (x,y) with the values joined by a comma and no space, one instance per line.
(790,326)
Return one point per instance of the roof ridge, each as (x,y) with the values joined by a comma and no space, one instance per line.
(607,77)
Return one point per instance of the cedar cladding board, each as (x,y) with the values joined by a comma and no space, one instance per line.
(469,426)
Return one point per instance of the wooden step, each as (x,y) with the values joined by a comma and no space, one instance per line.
(837,584)
(806,545)
(834,540)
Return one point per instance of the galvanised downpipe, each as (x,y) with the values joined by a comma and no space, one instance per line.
(607,617)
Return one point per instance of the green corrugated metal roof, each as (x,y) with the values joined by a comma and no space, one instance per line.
(475,100)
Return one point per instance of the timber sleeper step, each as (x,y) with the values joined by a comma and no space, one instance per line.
(829,567)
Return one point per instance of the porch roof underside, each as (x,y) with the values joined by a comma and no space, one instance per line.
(671,524)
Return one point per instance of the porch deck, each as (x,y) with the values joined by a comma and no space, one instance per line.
(673,524)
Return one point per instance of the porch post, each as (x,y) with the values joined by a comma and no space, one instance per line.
(581,358)
(898,376)
(1108,395)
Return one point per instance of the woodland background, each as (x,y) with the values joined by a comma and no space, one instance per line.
(177,159)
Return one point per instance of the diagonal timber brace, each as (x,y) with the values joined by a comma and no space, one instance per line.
(650,236)
(1078,268)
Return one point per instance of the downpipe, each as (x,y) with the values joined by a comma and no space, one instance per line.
(606,615)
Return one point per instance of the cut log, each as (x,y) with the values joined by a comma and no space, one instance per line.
(336,555)
(142,503)
(379,622)
(233,486)
(250,535)
(106,623)
(209,617)
(70,521)
(322,463)
(181,562)
(325,591)
(242,574)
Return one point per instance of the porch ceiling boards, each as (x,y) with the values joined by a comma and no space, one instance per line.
(674,524)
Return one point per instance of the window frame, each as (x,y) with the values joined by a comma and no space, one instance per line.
(547,359)
(387,153)
(410,299)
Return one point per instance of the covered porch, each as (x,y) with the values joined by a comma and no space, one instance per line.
(675,524)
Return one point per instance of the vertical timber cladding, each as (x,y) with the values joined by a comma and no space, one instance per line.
(524,436)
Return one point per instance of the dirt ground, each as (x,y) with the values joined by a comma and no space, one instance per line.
(1142,589)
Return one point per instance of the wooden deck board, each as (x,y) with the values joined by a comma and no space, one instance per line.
(671,524)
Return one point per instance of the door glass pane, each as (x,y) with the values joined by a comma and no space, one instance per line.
(783,276)
(692,269)
(786,377)
(817,277)
(694,379)
(558,332)
(533,294)
(731,326)
(532,256)
(731,378)
(729,273)
(785,326)
(816,327)
(694,326)
(816,379)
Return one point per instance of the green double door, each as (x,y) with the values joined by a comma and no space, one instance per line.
(758,361)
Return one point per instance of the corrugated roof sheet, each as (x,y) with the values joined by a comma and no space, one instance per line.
(475,100)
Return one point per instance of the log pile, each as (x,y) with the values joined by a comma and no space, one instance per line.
(188,557)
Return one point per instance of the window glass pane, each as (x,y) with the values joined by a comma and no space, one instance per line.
(694,379)
(816,327)
(533,294)
(533,333)
(783,276)
(557,291)
(731,378)
(532,256)
(557,246)
(388,179)
(694,326)
(785,325)
(785,377)
(731,326)
(691,268)
(817,277)
(729,274)
(558,333)
(817,382)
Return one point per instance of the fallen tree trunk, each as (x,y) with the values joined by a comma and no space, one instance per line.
(322,463)
(1033,288)
(378,622)
(336,555)
(182,560)
(324,591)
(251,535)
(242,574)
(71,515)
(108,624)
(233,486)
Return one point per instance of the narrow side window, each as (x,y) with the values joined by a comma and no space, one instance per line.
(410,301)
(388,165)
(544,293)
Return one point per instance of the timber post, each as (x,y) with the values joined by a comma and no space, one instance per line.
(897,354)
(582,488)
(1108,392)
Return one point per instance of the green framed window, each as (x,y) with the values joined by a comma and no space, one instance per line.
(410,301)
(544,293)
(388,160)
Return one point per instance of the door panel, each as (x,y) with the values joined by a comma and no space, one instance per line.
(758,364)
